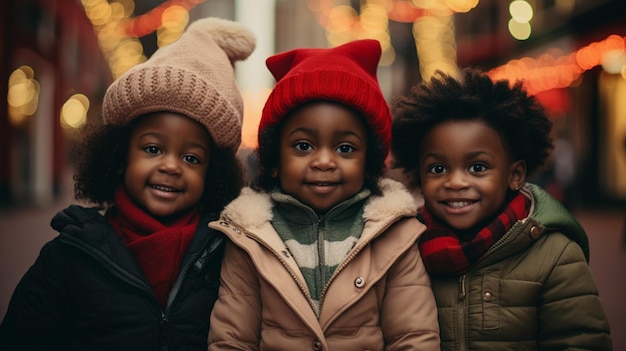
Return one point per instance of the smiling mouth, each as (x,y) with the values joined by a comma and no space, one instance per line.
(322,188)
(322,183)
(164,188)
(458,204)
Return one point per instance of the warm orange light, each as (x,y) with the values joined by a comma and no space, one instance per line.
(550,71)
(404,11)
(149,22)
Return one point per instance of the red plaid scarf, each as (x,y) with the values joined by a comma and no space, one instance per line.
(445,252)
(158,249)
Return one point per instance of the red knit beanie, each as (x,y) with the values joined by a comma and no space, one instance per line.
(345,74)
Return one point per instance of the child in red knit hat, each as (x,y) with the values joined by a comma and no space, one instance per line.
(143,273)
(508,262)
(322,251)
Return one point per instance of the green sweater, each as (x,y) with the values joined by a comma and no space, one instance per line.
(318,242)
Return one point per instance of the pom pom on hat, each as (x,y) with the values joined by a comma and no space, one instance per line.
(193,76)
(345,74)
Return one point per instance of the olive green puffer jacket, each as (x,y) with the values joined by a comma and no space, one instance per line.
(533,290)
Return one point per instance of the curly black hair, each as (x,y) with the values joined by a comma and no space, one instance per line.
(268,153)
(519,118)
(100,157)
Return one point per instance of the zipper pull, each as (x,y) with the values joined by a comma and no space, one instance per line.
(320,218)
(461,295)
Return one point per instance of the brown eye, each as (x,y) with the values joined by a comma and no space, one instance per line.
(436,169)
(345,148)
(302,146)
(152,149)
(478,167)
(191,159)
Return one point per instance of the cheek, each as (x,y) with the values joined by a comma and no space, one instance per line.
(361,173)
(128,176)
(133,165)
(428,189)
(202,176)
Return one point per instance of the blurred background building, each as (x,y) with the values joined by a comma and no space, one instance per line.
(58,56)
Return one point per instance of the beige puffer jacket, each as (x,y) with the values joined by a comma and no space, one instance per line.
(378,299)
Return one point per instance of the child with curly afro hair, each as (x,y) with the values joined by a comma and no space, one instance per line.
(508,263)
(140,269)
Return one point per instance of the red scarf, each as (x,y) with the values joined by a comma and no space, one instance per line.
(445,252)
(158,249)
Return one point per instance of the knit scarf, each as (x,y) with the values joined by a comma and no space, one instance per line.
(158,249)
(446,252)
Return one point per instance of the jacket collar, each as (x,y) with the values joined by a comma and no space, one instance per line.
(547,215)
(90,230)
(253,209)
(553,216)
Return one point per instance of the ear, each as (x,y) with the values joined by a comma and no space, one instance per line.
(517,175)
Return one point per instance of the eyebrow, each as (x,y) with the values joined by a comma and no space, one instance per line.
(469,155)
(187,142)
(150,134)
(198,145)
(478,153)
(316,131)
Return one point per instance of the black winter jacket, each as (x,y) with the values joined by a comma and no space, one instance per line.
(86,292)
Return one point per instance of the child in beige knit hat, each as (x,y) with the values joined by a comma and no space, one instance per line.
(141,271)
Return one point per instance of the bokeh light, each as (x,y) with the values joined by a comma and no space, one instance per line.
(23,95)
(74,111)
(519,30)
(521,11)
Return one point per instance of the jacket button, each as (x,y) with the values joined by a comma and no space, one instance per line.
(359,282)
(317,345)
(487,296)
(535,231)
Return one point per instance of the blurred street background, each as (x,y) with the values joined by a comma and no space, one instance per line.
(57,57)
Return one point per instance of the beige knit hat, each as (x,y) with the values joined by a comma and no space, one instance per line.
(193,76)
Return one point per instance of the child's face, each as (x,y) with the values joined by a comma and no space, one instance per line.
(168,158)
(322,155)
(465,172)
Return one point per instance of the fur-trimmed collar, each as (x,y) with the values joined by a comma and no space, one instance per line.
(252,208)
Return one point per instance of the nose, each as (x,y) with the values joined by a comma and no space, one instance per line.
(324,160)
(457,179)
(170,164)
